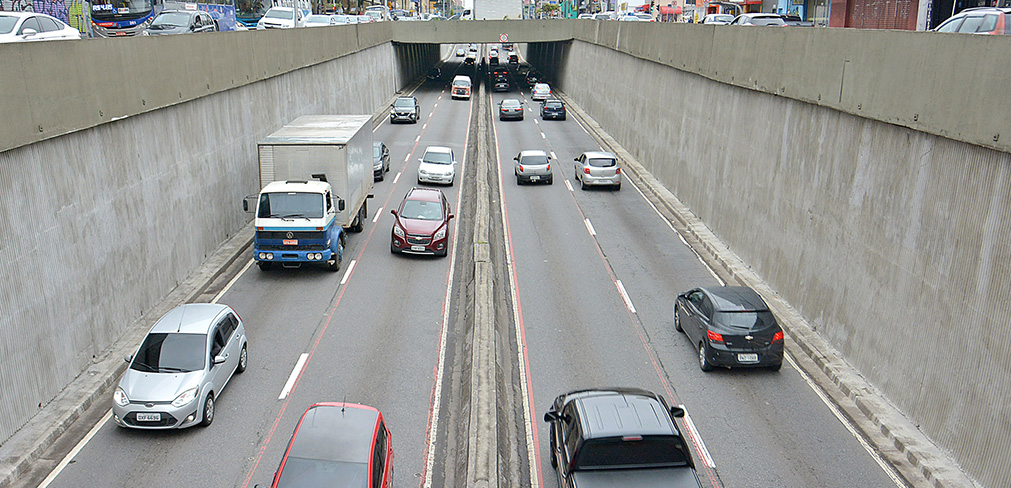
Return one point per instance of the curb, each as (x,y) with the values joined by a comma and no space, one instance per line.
(915,458)
(32,440)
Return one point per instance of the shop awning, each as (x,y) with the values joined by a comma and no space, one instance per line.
(665,10)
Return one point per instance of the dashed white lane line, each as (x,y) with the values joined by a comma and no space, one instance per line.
(589,226)
(536,122)
(293,376)
(543,136)
(706,458)
(407,158)
(347,274)
(416,139)
(425,126)
(568,185)
(554,157)
(395,178)
(625,297)
(379,213)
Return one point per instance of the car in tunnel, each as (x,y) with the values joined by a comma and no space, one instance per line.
(421,224)
(460,53)
(438,165)
(502,84)
(532,166)
(731,326)
(380,160)
(404,109)
(461,87)
(540,92)
(338,444)
(552,109)
(180,368)
(597,168)
(510,108)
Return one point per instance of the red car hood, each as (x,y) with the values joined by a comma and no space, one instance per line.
(420,227)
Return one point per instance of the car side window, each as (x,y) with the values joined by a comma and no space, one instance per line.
(31,23)
(707,307)
(570,427)
(50,25)
(695,298)
(329,202)
(378,455)
(950,26)
(219,342)
(228,326)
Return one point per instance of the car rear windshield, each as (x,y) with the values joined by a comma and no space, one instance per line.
(291,205)
(301,472)
(552,104)
(615,453)
(767,21)
(750,320)
(601,162)
(404,103)
(510,103)
(278,14)
(7,23)
(540,159)
(421,210)
(170,353)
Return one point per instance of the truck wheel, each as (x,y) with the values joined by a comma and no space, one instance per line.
(359,224)
(264,265)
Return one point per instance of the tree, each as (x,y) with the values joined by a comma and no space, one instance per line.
(549,9)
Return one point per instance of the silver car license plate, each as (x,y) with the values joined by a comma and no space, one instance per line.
(747,358)
(148,417)
(535,178)
(422,249)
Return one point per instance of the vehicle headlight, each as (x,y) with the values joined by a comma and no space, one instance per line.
(145,33)
(185,398)
(439,234)
(422,172)
(120,397)
(398,231)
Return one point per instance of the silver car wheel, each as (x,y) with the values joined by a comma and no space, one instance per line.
(243,357)
(208,410)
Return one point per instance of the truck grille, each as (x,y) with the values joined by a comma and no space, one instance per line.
(281,234)
(311,247)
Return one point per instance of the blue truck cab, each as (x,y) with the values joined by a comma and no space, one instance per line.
(296,223)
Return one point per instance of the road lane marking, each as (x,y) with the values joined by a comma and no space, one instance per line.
(703,451)
(395,178)
(347,274)
(423,127)
(581,126)
(568,185)
(416,139)
(544,136)
(589,227)
(294,376)
(536,122)
(379,213)
(624,296)
(407,158)
(553,155)
(231,282)
(887,468)
(73,452)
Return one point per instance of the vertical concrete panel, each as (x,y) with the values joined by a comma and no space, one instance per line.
(891,242)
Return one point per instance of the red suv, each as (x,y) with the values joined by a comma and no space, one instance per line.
(338,444)
(422,223)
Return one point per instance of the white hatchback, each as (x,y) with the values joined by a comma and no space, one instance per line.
(541,92)
(438,165)
(30,26)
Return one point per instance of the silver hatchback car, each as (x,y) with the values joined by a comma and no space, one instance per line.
(597,168)
(533,166)
(183,364)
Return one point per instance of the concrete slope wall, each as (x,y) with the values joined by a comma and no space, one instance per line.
(891,242)
(102,222)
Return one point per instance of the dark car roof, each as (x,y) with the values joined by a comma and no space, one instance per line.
(335,432)
(621,411)
(735,298)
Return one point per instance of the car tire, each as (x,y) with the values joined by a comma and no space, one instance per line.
(704,364)
(519,181)
(582,184)
(554,460)
(677,319)
(264,265)
(381,177)
(363,214)
(243,361)
(393,249)
(776,366)
(207,413)
(617,187)
(551,179)
(442,253)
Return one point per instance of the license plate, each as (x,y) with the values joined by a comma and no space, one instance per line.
(148,417)
(535,178)
(747,358)
(418,248)
(290,242)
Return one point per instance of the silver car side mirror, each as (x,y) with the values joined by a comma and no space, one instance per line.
(219,359)
(128,358)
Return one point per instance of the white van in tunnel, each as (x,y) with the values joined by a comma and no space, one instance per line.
(461,87)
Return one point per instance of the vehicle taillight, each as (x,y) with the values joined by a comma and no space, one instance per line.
(549,167)
(586,170)
(777,337)
(521,168)
(617,171)
(714,337)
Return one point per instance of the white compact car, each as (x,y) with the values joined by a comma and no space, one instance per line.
(30,26)
(438,165)
(541,92)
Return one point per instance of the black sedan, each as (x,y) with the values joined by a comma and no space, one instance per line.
(510,108)
(181,22)
(552,109)
(731,326)
(502,84)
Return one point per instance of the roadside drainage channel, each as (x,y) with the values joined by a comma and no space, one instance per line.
(915,458)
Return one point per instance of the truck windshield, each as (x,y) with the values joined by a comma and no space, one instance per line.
(615,453)
(290,205)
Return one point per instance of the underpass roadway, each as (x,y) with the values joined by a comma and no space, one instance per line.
(578,294)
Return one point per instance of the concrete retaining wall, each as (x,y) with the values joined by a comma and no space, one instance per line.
(104,220)
(892,242)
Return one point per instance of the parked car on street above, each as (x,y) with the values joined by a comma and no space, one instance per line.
(181,367)
(718,19)
(510,108)
(618,437)
(438,165)
(180,22)
(729,326)
(422,223)
(318,20)
(759,19)
(983,20)
(460,53)
(597,168)
(281,18)
(533,166)
(552,109)
(343,445)
(30,26)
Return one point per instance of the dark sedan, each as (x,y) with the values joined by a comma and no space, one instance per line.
(180,22)
(502,84)
(405,108)
(510,108)
(552,109)
(731,326)
(380,160)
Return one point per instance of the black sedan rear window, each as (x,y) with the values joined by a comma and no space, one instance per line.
(553,105)
(601,162)
(615,453)
(746,320)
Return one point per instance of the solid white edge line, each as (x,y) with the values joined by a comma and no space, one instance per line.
(293,376)
(589,227)
(347,274)
(581,126)
(379,213)
(73,452)
(231,282)
(568,185)
(888,469)
(624,296)
(536,122)
(706,457)
(395,178)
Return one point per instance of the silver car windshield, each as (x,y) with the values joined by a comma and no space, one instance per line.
(278,14)
(291,205)
(170,353)
(421,210)
(173,19)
